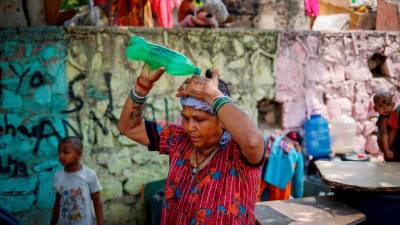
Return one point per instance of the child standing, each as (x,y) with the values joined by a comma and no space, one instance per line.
(76,186)
(388,124)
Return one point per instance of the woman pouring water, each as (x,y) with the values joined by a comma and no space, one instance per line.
(215,154)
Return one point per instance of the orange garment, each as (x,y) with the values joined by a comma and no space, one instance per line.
(266,191)
(128,12)
(273,193)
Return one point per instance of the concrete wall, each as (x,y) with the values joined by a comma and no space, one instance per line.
(57,82)
(18,13)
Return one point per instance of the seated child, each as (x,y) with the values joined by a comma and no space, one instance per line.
(76,186)
(296,139)
(212,15)
(388,124)
(187,7)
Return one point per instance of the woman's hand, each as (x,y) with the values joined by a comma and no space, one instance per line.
(201,87)
(147,79)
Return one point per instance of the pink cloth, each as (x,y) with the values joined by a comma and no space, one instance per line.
(311,7)
(163,10)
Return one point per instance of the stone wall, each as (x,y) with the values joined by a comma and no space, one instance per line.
(33,93)
(56,83)
(268,14)
(388,16)
(331,71)
(243,13)
(74,81)
(281,14)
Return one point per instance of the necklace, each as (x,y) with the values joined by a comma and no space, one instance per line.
(199,165)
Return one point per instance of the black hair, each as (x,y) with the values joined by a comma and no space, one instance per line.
(295,136)
(75,141)
(222,85)
(380,94)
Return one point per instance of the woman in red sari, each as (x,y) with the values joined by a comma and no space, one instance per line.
(215,154)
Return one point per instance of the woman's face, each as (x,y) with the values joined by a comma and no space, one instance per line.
(203,129)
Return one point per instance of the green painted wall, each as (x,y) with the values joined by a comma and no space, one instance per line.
(33,94)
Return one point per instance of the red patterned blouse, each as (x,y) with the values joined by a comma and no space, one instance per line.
(223,192)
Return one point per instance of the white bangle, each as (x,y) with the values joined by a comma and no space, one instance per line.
(136,98)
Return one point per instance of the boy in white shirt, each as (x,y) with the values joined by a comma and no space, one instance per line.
(76,186)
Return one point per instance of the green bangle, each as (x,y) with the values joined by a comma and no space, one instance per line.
(218,103)
(136,98)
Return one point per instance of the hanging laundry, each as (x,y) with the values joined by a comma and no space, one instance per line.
(129,12)
(176,4)
(101,3)
(311,7)
(163,11)
(148,15)
(282,174)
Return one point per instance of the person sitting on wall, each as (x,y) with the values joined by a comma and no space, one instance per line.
(388,125)
(187,7)
(212,15)
(215,154)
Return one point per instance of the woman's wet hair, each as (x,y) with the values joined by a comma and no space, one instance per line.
(222,85)
(74,141)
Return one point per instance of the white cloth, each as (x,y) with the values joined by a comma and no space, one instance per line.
(75,189)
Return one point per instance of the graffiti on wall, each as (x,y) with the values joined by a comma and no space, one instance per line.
(33,91)
(101,122)
(82,108)
(39,105)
